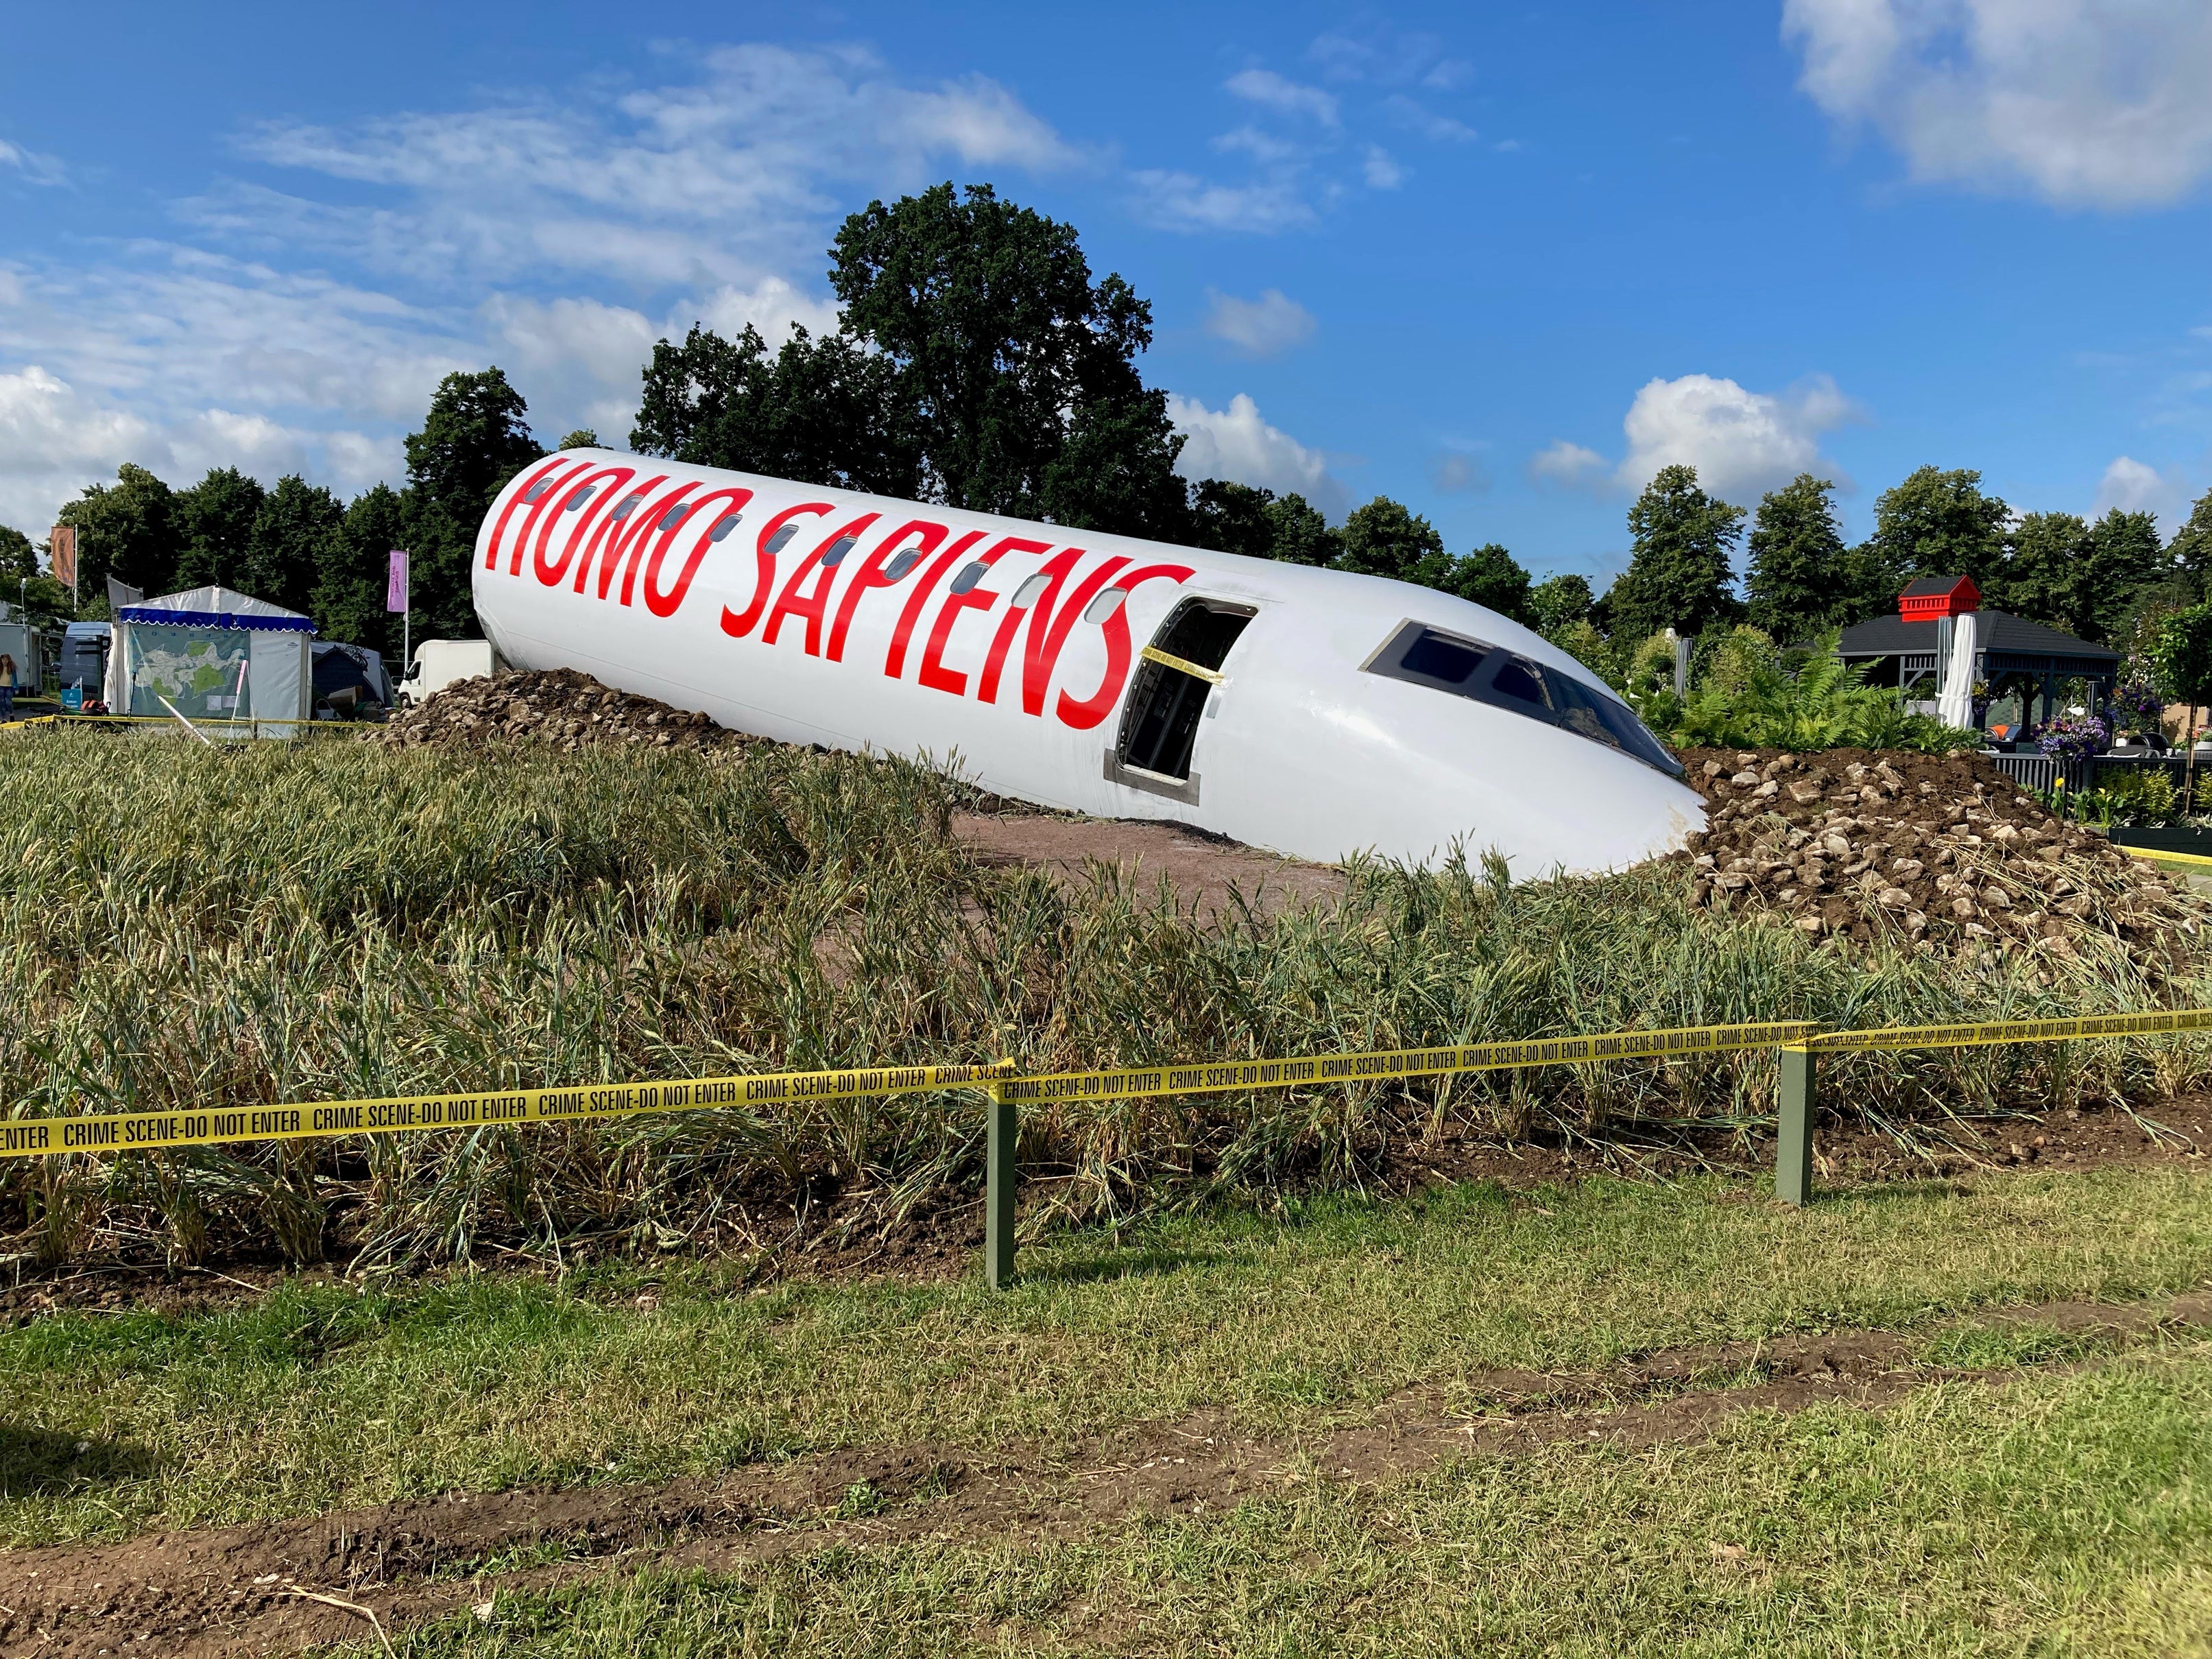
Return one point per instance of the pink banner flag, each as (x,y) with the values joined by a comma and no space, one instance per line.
(395,592)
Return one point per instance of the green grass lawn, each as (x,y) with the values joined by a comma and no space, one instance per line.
(2059,1514)
(322,1397)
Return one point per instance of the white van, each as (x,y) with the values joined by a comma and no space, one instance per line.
(441,663)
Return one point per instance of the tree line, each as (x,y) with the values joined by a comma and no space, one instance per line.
(978,363)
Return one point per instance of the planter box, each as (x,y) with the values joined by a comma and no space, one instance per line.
(2197,843)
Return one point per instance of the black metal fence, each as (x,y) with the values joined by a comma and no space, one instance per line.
(2083,772)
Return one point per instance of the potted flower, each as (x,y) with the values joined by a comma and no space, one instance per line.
(2136,710)
(2073,737)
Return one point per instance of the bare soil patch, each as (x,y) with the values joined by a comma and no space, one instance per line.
(1209,874)
(244,1590)
(559,706)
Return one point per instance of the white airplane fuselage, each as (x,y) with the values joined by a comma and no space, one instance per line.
(1312,712)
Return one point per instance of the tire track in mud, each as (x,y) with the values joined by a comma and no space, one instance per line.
(233,1591)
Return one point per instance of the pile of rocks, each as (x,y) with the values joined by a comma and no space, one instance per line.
(557,706)
(1942,853)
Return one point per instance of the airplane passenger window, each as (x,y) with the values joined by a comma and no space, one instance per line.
(902,563)
(780,539)
(969,576)
(1427,656)
(728,522)
(837,550)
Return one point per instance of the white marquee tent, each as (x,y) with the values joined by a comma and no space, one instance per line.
(212,655)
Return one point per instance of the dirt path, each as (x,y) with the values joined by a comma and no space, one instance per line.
(1203,869)
(248,1590)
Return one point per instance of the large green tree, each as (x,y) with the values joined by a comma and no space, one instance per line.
(1019,368)
(1935,524)
(2036,578)
(825,412)
(19,555)
(2189,555)
(2126,565)
(351,574)
(1387,538)
(1559,603)
(214,522)
(1681,566)
(128,530)
(2089,579)
(977,362)
(1236,518)
(1800,578)
(474,438)
(290,540)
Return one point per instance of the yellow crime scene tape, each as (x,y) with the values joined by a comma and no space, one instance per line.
(113,1131)
(1183,666)
(1378,1064)
(2010,1030)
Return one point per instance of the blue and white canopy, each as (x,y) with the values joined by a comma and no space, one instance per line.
(217,607)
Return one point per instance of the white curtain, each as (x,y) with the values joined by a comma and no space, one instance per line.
(1956,705)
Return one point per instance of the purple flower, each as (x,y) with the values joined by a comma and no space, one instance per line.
(2074,735)
(2137,707)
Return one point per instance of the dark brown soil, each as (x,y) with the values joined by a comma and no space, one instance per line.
(1927,852)
(279,1586)
(559,706)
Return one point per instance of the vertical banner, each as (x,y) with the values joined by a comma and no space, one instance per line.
(61,541)
(395,591)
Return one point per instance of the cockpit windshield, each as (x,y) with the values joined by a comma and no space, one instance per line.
(1504,679)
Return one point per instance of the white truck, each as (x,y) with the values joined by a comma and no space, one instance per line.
(441,663)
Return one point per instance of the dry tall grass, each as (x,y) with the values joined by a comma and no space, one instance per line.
(181,925)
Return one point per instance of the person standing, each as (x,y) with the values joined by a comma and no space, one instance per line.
(7,686)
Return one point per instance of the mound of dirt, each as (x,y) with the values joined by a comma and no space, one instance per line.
(559,706)
(1942,852)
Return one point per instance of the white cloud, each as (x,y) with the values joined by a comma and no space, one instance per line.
(698,182)
(2096,103)
(772,306)
(1286,97)
(545,234)
(1456,472)
(1181,200)
(1383,55)
(1264,148)
(1439,129)
(49,436)
(29,165)
(1564,463)
(1743,443)
(1259,328)
(1381,170)
(1236,444)
(2134,486)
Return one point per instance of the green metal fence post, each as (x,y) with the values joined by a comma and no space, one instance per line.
(999,1193)
(1793,1144)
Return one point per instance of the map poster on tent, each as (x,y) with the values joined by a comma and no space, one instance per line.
(200,670)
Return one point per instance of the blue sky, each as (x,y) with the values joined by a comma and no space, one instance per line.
(1499,261)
